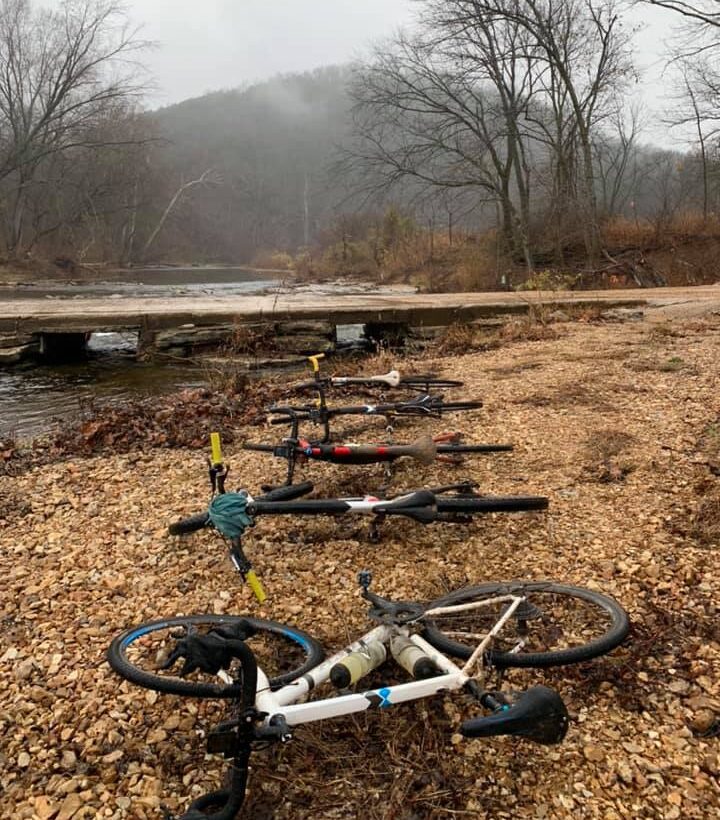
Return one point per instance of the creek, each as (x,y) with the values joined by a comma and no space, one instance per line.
(36,398)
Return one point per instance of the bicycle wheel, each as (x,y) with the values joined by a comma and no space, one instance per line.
(460,449)
(559,624)
(191,524)
(428,381)
(284,653)
(469,505)
(456,406)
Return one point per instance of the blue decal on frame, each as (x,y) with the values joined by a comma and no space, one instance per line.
(385,695)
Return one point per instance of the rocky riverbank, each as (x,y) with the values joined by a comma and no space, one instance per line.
(618,423)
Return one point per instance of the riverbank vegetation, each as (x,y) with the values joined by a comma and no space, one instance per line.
(495,142)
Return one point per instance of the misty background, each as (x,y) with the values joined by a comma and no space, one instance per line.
(281,135)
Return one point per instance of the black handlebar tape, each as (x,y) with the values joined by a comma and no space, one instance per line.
(287,493)
(331,506)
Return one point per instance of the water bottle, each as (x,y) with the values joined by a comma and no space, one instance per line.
(412,658)
(356,665)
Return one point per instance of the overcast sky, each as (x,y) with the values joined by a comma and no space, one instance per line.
(206,45)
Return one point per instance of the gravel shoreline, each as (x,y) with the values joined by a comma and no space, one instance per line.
(616,422)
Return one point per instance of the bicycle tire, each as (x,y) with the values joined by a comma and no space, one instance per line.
(457,406)
(613,635)
(470,505)
(428,381)
(450,449)
(118,658)
(192,524)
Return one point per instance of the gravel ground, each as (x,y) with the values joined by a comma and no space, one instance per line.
(616,423)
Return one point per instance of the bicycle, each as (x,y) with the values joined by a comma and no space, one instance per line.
(416,381)
(425,405)
(425,450)
(233,513)
(489,627)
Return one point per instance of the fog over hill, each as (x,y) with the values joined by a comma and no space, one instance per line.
(270,147)
(275,151)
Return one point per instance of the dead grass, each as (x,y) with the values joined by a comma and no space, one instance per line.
(537,325)
(584,313)
(705,521)
(643,233)
(528,329)
(672,364)
(662,332)
(606,458)
(465,338)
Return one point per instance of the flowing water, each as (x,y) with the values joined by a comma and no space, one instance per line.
(36,398)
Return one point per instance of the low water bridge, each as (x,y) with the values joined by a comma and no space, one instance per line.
(68,322)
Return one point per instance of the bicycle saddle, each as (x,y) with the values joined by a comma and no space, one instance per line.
(539,714)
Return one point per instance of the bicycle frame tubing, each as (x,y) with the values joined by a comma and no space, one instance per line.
(284,702)
(426,405)
(336,506)
(391,379)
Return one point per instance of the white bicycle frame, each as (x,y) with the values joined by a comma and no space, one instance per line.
(286,702)
(391,379)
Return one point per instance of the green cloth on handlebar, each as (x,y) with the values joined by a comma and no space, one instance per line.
(228,514)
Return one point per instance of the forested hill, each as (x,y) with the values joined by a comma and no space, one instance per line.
(265,150)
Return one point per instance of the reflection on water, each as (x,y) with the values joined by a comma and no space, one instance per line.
(36,400)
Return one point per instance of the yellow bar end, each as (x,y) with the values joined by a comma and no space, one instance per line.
(216,447)
(255,585)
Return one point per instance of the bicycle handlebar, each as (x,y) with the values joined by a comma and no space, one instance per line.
(391,379)
(423,506)
(425,405)
(280,494)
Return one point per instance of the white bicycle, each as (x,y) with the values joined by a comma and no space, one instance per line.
(270,671)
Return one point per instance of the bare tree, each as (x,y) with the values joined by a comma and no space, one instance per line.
(208,177)
(704,12)
(615,148)
(585,54)
(61,73)
(694,60)
(441,110)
